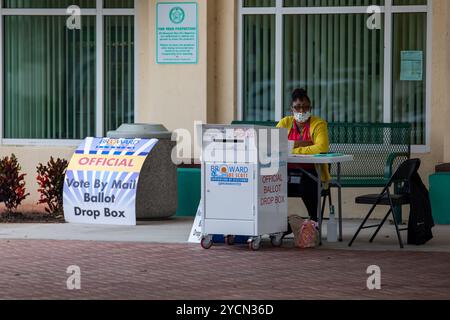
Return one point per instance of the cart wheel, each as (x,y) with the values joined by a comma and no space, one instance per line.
(254,245)
(206,243)
(229,240)
(276,241)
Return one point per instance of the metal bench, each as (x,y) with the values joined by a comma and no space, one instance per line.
(378,150)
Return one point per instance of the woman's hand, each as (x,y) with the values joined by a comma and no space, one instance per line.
(302,144)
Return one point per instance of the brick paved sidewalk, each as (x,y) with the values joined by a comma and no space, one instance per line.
(37,270)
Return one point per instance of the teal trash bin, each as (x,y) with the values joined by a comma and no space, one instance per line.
(189,185)
(440,197)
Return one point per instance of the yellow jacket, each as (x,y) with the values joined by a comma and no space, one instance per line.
(319,135)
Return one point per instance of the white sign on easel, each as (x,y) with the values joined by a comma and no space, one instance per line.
(102,178)
(196,232)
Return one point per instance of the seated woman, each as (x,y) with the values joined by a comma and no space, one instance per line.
(310,136)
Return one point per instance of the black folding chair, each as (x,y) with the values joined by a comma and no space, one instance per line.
(401,177)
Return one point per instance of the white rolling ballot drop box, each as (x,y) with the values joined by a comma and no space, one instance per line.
(244,183)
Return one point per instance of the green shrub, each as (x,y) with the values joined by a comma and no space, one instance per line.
(12,183)
(51,185)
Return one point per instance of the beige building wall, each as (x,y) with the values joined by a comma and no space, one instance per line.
(440,134)
(174,95)
(226,60)
(440,93)
(178,95)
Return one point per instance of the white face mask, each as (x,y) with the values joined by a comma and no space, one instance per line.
(302,117)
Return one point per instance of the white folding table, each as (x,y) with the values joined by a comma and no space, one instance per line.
(317,160)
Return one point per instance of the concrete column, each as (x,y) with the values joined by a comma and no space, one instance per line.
(173,95)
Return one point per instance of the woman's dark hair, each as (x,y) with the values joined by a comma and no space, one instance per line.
(300,94)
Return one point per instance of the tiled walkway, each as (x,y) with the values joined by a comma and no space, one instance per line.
(36,269)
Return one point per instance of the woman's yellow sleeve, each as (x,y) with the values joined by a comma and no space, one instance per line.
(321,143)
(283,124)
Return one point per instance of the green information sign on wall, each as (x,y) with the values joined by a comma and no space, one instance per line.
(176,33)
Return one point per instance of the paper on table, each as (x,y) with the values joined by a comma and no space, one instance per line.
(303,155)
(328,155)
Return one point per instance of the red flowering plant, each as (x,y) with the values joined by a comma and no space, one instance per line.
(12,183)
(51,184)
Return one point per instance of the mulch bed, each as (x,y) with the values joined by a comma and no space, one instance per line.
(32,217)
